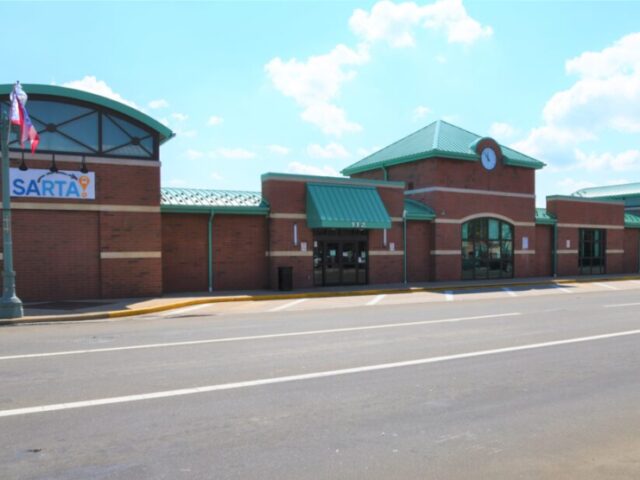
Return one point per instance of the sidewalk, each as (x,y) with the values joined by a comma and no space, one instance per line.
(74,310)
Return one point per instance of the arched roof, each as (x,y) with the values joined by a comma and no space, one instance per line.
(80,95)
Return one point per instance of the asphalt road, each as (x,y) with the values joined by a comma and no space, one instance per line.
(521,384)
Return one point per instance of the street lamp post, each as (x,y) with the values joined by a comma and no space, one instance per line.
(10,304)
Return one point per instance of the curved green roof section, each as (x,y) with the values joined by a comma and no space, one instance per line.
(438,139)
(610,191)
(415,210)
(198,200)
(74,94)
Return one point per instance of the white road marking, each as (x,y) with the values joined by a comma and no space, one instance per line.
(287,305)
(375,300)
(610,287)
(510,292)
(180,311)
(448,295)
(616,305)
(258,337)
(561,289)
(305,376)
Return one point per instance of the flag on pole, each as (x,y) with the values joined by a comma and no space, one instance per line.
(20,117)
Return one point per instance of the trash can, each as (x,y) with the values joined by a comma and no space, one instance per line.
(285,278)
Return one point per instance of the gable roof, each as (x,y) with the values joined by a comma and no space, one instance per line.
(438,139)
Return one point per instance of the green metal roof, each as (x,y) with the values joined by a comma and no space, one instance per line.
(345,206)
(194,200)
(415,210)
(438,139)
(631,220)
(611,191)
(545,218)
(71,93)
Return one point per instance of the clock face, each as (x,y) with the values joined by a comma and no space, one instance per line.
(488,157)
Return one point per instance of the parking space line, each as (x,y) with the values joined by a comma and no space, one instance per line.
(509,292)
(375,300)
(448,295)
(561,289)
(617,305)
(180,311)
(261,337)
(287,305)
(610,287)
(305,376)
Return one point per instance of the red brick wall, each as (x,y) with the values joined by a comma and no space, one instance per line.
(56,255)
(631,250)
(575,214)
(52,234)
(184,252)
(239,245)
(419,251)
(544,247)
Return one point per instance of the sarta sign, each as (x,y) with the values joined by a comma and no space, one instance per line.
(36,183)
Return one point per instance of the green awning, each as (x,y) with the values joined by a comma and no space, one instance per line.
(345,206)
(414,210)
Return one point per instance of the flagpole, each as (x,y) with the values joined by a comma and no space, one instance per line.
(10,304)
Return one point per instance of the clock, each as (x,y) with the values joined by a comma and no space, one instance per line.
(488,158)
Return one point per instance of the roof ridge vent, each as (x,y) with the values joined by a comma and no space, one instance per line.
(436,134)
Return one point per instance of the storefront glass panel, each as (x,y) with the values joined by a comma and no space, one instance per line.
(340,257)
(487,249)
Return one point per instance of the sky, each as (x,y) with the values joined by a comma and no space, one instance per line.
(311,87)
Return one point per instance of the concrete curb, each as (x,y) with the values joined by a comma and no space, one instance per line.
(294,296)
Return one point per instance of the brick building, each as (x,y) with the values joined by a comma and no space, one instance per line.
(91,221)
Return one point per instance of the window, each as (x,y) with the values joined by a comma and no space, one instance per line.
(487,249)
(73,127)
(591,253)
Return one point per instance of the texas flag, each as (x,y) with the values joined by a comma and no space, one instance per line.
(20,117)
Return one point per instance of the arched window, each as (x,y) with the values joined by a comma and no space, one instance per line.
(75,127)
(487,249)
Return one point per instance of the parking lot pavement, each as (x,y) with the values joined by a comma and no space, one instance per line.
(370,301)
(540,384)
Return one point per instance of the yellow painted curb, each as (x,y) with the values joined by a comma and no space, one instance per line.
(293,296)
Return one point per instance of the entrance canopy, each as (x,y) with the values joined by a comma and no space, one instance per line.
(345,206)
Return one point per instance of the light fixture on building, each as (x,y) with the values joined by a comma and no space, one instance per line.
(23,166)
(53,168)
(83,168)
(295,234)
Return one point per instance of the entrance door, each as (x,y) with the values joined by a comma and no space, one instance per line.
(340,257)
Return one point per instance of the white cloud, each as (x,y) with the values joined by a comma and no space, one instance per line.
(330,119)
(420,112)
(279,149)
(605,97)
(622,162)
(214,121)
(99,87)
(164,121)
(395,23)
(569,185)
(185,133)
(216,176)
(331,150)
(441,59)
(233,153)
(180,117)
(159,103)
(177,182)
(315,83)
(303,169)
(501,130)
(192,154)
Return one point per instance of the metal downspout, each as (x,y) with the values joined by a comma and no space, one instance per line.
(385,172)
(554,251)
(210,250)
(404,247)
